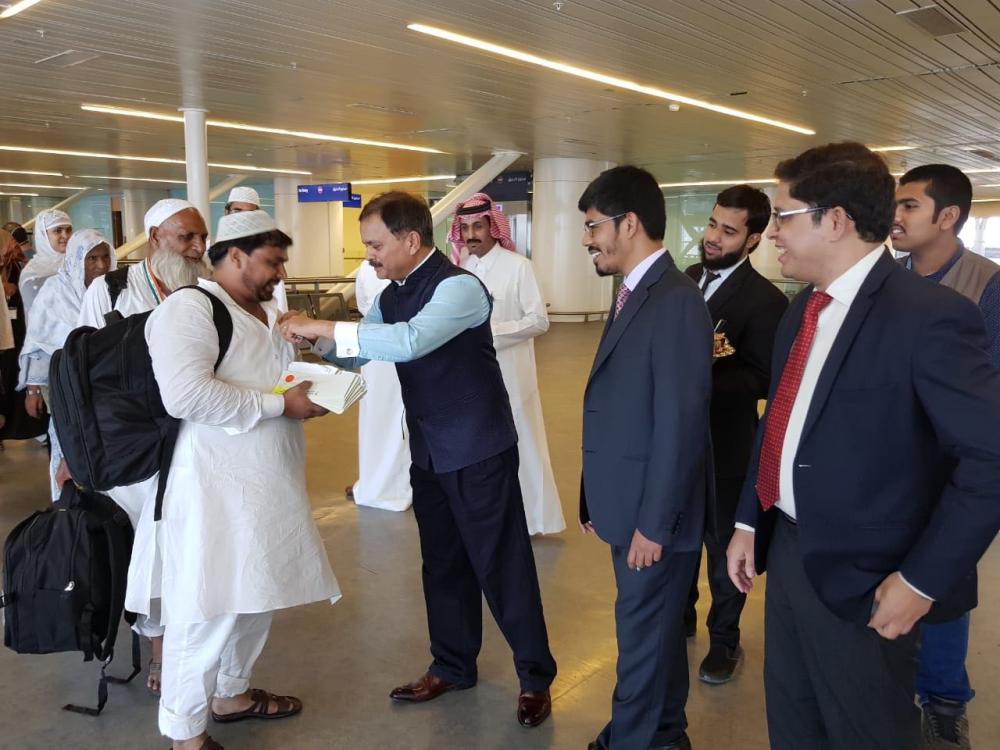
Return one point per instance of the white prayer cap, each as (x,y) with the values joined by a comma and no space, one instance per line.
(163,210)
(243,224)
(242,194)
(54,218)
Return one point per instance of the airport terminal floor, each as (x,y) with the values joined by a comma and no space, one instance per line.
(342,660)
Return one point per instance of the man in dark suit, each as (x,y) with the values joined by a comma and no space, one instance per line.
(745,309)
(874,487)
(646,453)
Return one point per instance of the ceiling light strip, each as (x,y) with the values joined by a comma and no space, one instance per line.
(395,180)
(128,112)
(590,75)
(127,179)
(45,187)
(16,8)
(149,159)
(31,172)
(20,195)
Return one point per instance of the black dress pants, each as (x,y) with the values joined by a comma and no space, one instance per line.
(727,601)
(474,542)
(647,709)
(830,684)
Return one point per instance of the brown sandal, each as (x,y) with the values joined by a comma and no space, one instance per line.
(286,704)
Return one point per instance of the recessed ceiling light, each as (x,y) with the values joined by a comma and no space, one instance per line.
(892,148)
(24,195)
(708,183)
(526,57)
(994,185)
(152,159)
(984,170)
(16,8)
(126,112)
(25,171)
(986,200)
(127,179)
(392,180)
(44,187)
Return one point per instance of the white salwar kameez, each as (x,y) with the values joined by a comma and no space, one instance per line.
(383,442)
(138,296)
(237,533)
(518,316)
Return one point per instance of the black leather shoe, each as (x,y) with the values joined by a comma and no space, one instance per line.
(718,667)
(681,743)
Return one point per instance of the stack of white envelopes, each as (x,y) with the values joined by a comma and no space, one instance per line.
(332,388)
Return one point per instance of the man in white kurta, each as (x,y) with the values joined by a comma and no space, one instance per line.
(482,231)
(237,538)
(383,443)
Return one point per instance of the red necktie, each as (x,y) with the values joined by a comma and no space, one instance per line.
(780,409)
(621,299)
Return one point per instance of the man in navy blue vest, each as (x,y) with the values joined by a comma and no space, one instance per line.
(434,323)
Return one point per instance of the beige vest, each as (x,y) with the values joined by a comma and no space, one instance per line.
(969,276)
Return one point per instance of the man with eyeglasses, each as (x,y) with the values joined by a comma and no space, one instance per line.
(646,453)
(874,487)
(745,309)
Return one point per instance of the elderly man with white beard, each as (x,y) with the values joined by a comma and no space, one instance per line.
(177,235)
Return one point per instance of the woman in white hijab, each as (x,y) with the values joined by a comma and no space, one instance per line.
(88,256)
(52,232)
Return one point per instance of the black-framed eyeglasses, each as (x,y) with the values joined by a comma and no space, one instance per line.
(588,226)
(780,216)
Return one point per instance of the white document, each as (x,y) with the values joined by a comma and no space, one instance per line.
(332,388)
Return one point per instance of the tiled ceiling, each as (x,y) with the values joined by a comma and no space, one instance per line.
(845,68)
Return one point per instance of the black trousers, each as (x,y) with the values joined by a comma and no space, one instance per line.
(831,684)
(474,541)
(647,709)
(727,601)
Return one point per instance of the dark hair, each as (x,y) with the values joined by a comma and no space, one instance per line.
(627,189)
(848,175)
(755,202)
(947,185)
(401,213)
(274,238)
(225,209)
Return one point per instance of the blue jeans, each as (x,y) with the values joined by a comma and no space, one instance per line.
(943,649)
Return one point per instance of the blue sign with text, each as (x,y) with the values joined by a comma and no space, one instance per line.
(354,202)
(328,193)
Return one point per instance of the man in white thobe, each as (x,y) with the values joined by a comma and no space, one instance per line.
(519,315)
(177,236)
(383,443)
(237,538)
(245,198)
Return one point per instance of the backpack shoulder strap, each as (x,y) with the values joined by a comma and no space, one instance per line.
(117,282)
(223,322)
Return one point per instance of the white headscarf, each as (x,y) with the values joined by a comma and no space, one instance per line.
(47,260)
(60,299)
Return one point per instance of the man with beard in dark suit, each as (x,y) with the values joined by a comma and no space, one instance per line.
(745,309)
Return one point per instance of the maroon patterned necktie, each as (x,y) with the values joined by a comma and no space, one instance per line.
(780,409)
(621,299)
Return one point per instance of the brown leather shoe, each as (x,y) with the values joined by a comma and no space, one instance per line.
(427,688)
(533,707)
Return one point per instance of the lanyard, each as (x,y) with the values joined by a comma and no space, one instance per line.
(154,284)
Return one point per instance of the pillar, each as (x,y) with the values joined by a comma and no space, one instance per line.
(196,158)
(562,265)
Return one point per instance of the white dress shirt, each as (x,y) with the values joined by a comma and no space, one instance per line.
(723,274)
(633,279)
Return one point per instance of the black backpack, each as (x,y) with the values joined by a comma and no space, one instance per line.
(65,570)
(112,425)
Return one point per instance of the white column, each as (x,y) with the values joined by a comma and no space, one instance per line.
(16,208)
(196,156)
(562,265)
